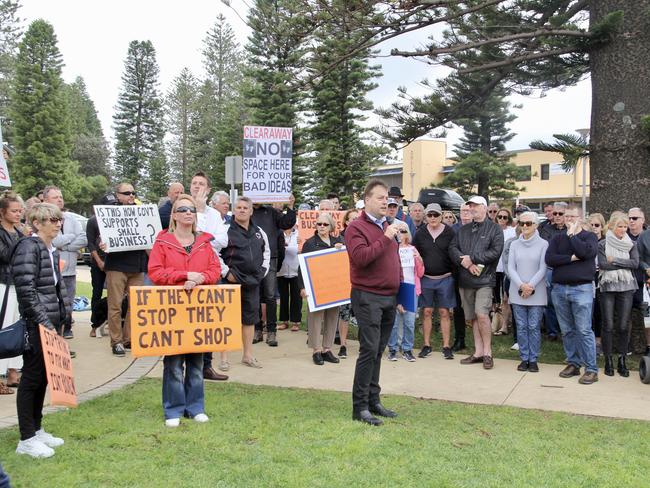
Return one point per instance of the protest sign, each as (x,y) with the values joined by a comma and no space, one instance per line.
(307,223)
(58,367)
(4,171)
(168,320)
(326,276)
(128,227)
(267,163)
(407,298)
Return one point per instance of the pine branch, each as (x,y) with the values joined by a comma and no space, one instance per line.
(517,59)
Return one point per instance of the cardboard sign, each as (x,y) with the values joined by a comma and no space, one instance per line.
(306,222)
(167,320)
(4,171)
(326,275)
(128,227)
(268,153)
(58,367)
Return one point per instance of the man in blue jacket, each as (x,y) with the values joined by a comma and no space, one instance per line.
(572,255)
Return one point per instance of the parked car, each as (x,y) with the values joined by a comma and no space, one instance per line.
(447,199)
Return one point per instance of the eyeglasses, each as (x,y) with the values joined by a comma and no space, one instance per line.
(634,218)
(492,211)
(55,220)
(526,224)
(186,209)
(322,224)
(404,231)
(433,215)
(595,225)
(128,193)
(558,213)
(502,217)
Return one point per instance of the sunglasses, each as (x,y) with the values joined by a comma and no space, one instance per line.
(526,224)
(128,193)
(634,218)
(404,231)
(502,217)
(558,213)
(55,220)
(492,211)
(322,224)
(186,209)
(595,225)
(433,214)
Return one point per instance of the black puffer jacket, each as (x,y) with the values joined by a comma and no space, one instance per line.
(40,301)
(315,243)
(483,243)
(7,245)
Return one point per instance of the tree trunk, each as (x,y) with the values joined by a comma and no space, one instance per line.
(620,79)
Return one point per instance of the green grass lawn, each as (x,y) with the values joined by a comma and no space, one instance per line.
(274,437)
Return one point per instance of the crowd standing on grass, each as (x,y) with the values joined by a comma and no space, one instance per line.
(565,278)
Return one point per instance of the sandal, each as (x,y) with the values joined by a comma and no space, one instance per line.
(252,362)
(282,326)
(5,390)
(295,328)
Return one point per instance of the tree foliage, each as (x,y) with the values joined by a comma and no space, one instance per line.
(10,32)
(571,146)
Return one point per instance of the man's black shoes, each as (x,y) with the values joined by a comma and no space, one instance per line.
(379,409)
(366,417)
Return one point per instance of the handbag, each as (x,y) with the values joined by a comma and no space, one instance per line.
(14,339)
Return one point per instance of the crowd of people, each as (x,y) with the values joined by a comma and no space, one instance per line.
(487,268)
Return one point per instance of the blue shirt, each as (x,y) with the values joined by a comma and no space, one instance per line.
(378,222)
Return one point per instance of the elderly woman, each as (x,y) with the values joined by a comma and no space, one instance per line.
(617,258)
(321,325)
(41,297)
(345,311)
(11,212)
(412,271)
(527,273)
(448,218)
(183,256)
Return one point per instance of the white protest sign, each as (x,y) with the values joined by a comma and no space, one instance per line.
(267,163)
(4,171)
(128,227)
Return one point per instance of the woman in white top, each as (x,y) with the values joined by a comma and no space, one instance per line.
(288,283)
(504,219)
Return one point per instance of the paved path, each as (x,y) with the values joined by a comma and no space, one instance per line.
(98,372)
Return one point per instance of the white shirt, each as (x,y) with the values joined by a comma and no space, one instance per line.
(210,221)
(508,233)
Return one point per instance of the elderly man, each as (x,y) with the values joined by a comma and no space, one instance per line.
(572,256)
(220,201)
(69,242)
(492,211)
(476,249)
(416,212)
(642,238)
(165,209)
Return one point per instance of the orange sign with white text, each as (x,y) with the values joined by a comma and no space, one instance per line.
(307,223)
(167,320)
(58,367)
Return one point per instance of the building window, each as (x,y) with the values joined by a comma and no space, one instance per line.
(545,171)
(526,174)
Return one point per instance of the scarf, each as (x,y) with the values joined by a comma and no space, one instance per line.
(617,248)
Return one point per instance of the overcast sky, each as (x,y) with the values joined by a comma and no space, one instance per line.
(94,38)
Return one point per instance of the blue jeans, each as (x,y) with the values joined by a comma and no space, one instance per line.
(529,336)
(550,318)
(408,319)
(183,393)
(573,306)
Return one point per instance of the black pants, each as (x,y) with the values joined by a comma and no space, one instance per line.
(375,316)
(459,317)
(596,315)
(290,300)
(621,303)
(267,295)
(98,278)
(31,389)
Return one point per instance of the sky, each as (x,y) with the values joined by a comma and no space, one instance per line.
(94,37)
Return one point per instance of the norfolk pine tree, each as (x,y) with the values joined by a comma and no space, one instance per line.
(10,32)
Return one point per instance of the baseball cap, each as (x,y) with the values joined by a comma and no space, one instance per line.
(392,201)
(477,200)
(108,199)
(360,205)
(433,207)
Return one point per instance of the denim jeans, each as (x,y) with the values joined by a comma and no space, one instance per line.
(573,305)
(408,319)
(529,336)
(183,392)
(550,317)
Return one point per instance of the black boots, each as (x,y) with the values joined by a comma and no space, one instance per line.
(609,366)
(622,367)
(458,345)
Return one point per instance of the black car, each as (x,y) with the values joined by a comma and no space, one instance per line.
(447,199)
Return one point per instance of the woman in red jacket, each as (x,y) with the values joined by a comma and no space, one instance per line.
(183,256)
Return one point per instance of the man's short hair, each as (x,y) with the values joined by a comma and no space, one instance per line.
(217,194)
(202,175)
(244,199)
(416,204)
(638,210)
(332,195)
(372,184)
(50,188)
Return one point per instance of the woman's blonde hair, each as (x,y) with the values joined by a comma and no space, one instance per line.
(447,212)
(172,222)
(615,218)
(330,220)
(42,212)
(601,220)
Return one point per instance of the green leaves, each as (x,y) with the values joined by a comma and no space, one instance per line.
(571,146)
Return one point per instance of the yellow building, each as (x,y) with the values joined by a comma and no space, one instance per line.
(425,163)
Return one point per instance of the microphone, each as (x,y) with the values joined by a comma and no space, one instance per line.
(390,221)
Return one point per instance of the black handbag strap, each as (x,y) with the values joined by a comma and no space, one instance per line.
(3,311)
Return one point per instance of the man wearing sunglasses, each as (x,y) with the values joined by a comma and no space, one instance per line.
(493,210)
(636,231)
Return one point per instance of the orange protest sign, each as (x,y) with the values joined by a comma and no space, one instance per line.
(58,366)
(167,320)
(307,223)
(326,275)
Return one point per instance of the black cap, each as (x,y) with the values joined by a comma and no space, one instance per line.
(108,199)
(395,191)
(522,209)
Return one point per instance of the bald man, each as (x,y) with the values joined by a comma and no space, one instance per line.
(165,209)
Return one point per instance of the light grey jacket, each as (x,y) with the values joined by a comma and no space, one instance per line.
(526,264)
(69,242)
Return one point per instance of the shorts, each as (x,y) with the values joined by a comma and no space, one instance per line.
(476,301)
(437,293)
(250,305)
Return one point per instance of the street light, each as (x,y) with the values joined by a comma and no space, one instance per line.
(584,134)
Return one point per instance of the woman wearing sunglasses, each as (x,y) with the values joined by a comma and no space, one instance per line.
(42,301)
(504,220)
(321,325)
(527,273)
(183,256)
(597,224)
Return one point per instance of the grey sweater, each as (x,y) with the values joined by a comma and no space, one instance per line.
(526,264)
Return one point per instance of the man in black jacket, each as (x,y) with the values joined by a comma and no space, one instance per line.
(272,222)
(476,248)
(432,242)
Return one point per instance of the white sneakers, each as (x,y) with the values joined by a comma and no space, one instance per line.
(515,347)
(48,439)
(202,418)
(173,422)
(34,448)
